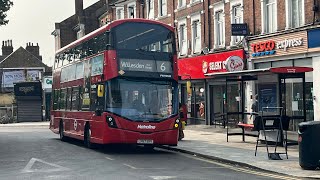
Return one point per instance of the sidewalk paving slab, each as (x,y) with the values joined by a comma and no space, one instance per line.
(211,142)
(42,124)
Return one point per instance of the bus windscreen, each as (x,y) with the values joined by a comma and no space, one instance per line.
(142,100)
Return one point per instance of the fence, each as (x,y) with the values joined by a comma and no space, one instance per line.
(8,114)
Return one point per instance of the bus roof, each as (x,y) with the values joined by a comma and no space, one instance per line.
(108,27)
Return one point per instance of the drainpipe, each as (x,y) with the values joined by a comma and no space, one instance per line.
(142,8)
(254,17)
(209,26)
(315,9)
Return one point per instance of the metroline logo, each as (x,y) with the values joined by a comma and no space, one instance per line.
(146,127)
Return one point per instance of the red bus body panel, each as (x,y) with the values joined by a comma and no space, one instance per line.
(127,131)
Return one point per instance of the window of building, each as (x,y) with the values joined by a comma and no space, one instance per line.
(151,9)
(237,18)
(183,38)
(131,9)
(294,13)
(219,35)
(196,34)
(194,1)
(269,18)
(181,3)
(162,7)
(120,12)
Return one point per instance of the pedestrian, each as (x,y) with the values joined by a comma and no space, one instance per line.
(183,119)
(254,106)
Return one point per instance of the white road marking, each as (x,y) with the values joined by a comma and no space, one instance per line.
(152,168)
(109,158)
(28,167)
(132,167)
(162,177)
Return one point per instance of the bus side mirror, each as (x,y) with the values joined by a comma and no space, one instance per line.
(100,90)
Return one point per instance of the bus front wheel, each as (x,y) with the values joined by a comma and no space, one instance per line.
(87,137)
(61,133)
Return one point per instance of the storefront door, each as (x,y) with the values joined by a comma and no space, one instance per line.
(292,98)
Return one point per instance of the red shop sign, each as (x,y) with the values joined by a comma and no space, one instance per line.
(196,67)
(263,46)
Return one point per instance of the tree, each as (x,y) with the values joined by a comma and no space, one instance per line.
(4,7)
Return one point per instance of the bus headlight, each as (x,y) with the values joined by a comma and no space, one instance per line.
(111,122)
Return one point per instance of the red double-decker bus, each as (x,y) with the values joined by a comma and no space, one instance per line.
(118,85)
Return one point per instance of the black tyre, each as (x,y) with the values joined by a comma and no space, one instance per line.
(149,147)
(61,133)
(87,137)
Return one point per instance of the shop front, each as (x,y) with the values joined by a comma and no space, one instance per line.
(195,91)
(291,90)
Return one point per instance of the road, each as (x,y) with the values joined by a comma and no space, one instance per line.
(37,153)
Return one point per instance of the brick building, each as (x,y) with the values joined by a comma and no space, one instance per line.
(81,23)
(203,28)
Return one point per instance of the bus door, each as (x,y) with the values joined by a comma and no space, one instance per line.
(97,96)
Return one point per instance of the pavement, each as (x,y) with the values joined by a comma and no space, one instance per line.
(44,124)
(210,142)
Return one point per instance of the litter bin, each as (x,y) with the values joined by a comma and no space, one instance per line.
(309,144)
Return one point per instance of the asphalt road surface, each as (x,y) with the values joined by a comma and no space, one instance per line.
(37,153)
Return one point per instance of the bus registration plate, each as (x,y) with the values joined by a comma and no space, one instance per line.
(145,141)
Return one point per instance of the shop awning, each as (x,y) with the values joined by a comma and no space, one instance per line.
(254,72)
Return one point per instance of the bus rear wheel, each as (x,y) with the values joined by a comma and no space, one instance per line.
(87,137)
(61,133)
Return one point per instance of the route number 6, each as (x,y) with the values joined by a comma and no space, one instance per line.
(163,67)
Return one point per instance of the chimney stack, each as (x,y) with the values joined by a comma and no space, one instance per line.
(34,49)
(79,7)
(7,47)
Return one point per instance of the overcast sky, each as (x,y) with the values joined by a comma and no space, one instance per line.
(33,21)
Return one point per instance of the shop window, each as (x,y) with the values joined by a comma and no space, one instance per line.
(196,102)
(75,99)
(263,65)
(282,63)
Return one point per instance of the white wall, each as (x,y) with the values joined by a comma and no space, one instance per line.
(316,87)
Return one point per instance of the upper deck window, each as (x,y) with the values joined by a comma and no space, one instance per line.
(143,36)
